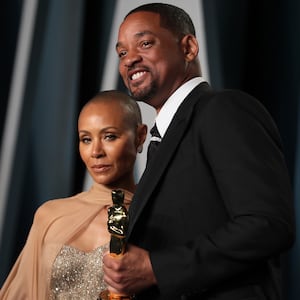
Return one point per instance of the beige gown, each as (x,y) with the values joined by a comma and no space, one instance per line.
(46,257)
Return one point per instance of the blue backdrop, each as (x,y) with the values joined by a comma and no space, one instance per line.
(251,45)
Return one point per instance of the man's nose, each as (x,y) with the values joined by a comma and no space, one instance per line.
(131,58)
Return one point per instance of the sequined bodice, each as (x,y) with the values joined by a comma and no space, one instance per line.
(77,274)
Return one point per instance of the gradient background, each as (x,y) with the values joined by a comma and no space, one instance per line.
(56,54)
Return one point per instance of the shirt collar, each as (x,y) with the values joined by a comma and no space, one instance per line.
(168,110)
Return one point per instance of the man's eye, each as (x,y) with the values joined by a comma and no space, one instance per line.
(122,54)
(146,44)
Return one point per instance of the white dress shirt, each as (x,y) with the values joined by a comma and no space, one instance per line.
(168,110)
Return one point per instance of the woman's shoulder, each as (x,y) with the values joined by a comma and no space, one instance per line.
(51,208)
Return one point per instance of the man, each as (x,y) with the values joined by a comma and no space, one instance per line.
(213,210)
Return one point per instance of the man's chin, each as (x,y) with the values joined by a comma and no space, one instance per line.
(138,95)
(142,95)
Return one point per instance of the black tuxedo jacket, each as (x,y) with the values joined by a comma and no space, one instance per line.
(214,206)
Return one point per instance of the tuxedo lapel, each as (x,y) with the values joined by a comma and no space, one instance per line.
(167,147)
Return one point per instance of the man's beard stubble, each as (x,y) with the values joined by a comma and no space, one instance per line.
(145,94)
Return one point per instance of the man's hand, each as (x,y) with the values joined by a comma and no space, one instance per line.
(129,273)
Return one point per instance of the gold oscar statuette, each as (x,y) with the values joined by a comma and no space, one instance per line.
(117,227)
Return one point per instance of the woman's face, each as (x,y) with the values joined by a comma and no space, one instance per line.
(107,144)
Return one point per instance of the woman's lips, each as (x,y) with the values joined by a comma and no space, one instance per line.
(100,168)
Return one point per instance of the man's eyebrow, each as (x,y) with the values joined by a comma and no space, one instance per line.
(137,35)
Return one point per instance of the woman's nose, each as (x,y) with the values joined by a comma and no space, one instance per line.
(97,150)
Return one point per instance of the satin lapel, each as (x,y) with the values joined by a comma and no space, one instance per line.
(172,138)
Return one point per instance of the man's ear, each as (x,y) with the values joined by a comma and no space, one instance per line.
(190,47)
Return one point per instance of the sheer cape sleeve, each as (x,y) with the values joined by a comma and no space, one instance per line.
(55,223)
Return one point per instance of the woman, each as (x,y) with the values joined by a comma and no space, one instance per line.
(62,258)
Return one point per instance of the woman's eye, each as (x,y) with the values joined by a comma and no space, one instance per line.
(110,137)
(85,140)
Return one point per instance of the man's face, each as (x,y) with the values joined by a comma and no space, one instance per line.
(152,62)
